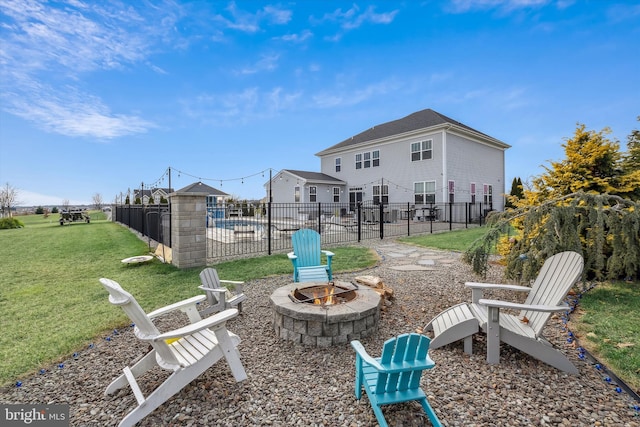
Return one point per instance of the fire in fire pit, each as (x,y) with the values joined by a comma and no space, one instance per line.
(328,294)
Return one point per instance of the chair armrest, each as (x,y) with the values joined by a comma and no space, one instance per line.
(359,348)
(180,305)
(237,285)
(292,256)
(475,285)
(214,290)
(477,288)
(327,253)
(517,306)
(216,319)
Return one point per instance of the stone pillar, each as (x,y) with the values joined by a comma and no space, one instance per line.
(188,229)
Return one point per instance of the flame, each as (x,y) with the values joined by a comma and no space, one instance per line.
(326,296)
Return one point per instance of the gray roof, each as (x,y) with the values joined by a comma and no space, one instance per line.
(313,176)
(419,120)
(199,187)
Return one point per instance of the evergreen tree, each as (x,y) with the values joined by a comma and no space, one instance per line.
(581,203)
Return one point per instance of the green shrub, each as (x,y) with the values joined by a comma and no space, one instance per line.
(7,223)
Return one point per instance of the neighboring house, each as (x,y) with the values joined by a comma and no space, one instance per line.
(295,186)
(422,158)
(214,196)
(156,193)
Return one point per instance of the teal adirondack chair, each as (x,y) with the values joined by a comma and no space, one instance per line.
(306,257)
(395,376)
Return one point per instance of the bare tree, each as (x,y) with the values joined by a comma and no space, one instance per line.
(97,201)
(8,199)
(65,205)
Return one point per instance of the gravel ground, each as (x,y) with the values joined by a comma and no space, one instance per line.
(292,385)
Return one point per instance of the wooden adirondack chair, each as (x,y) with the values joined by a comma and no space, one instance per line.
(394,377)
(187,351)
(219,297)
(524,331)
(306,257)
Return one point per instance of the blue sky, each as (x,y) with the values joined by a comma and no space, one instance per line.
(99,97)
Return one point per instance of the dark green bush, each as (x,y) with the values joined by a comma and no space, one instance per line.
(6,223)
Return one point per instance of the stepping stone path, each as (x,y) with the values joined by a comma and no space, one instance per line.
(409,258)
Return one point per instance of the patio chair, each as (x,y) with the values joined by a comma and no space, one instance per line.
(220,297)
(523,331)
(394,377)
(306,257)
(187,351)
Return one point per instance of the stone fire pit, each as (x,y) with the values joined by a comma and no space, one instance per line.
(325,325)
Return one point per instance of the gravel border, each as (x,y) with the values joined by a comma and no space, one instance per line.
(293,385)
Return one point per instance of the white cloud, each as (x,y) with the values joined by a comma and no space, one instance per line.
(352,19)
(296,38)
(461,6)
(62,44)
(341,98)
(265,63)
(30,198)
(250,22)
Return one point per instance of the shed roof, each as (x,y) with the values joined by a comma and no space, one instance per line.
(199,187)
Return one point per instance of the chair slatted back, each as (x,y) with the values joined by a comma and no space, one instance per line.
(306,246)
(144,330)
(210,280)
(404,351)
(555,279)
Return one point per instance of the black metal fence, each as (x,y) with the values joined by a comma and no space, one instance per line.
(244,229)
(153,221)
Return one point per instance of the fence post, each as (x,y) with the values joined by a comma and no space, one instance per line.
(359,216)
(408,220)
(188,229)
(381,219)
(269,227)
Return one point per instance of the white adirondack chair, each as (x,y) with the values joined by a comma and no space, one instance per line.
(219,297)
(187,351)
(524,331)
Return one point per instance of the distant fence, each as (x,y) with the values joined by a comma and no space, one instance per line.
(153,221)
(244,229)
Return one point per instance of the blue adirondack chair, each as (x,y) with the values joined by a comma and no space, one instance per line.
(395,376)
(306,257)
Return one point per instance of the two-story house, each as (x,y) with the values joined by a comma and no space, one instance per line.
(422,158)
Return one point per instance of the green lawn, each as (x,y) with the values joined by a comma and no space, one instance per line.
(51,303)
(456,240)
(607,325)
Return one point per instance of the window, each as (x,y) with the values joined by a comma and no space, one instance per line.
(336,194)
(421,150)
(424,192)
(376,158)
(338,164)
(472,191)
(313,190)
(488,196)
(376,194)
(367,160)
(296,194)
